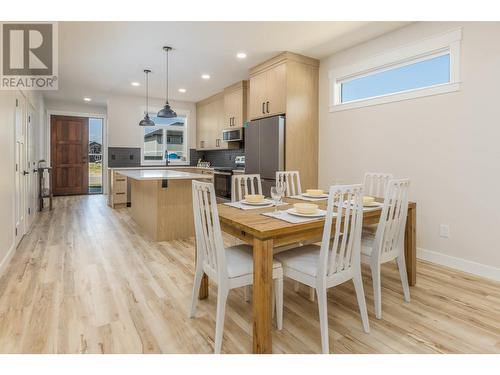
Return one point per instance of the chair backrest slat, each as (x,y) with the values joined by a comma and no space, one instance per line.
(345,202)
(390,231)
(244,184)
(209,244)
(291,179)
(375,184)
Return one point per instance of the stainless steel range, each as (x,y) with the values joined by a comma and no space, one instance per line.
(222,181)
(222,177)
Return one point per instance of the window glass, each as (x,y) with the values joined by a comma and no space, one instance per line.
(153,143)
(168,135)
(425,73)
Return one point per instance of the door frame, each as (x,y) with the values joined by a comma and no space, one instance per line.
(32,126)
(104,139)
(20,196)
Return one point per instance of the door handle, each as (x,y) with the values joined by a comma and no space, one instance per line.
(267,107)
(263,107)
(25,173)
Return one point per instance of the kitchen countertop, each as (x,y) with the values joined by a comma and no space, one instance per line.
(160,174)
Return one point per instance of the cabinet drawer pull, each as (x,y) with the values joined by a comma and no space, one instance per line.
(119,179)
(263,107)
(119,193)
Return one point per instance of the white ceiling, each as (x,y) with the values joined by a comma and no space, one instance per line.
(99,59)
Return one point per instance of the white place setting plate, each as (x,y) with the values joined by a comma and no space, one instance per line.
(373,204)
(265,202)
(318,213)
(322,196)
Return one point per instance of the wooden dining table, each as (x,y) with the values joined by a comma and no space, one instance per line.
(265,233)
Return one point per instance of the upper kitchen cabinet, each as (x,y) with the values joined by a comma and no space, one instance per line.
(210,121)
(235,104)
(268,90)
(288,84)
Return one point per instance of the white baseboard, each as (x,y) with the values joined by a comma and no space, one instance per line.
(474,268)
(6,260)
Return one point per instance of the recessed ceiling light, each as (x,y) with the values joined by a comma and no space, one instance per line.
(87,99)
(205,76)
(135,84)
(241,55)
(182,90)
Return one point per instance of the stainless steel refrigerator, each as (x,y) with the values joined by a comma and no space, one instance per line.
(265,149)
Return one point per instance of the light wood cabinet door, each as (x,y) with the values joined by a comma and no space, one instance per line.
(219,123)
(233,108)
(276,90)
(258,95)
(210,122)
(268,92)
(202,120)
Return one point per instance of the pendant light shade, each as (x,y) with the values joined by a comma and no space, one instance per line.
(146,121)
(167,111)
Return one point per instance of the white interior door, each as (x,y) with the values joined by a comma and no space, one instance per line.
(20,217)
(31,178)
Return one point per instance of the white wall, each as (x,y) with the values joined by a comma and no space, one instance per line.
(7,107)
(125,112)
(7,172)
(448,145)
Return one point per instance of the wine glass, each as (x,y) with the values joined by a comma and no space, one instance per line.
(276,196)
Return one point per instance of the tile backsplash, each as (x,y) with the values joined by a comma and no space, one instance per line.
(219,158)
(120,157)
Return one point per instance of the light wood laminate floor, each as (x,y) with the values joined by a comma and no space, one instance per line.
(85,280)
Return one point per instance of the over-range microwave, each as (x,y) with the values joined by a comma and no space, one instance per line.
(232,134)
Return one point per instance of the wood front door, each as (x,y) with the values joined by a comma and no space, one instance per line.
(69,154)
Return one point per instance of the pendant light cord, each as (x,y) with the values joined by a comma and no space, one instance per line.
(166,89)
(147,93)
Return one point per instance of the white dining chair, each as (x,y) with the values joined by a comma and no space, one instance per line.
(387,243)
(291,180)
(337,260)
(375,184)
(241,185)
(229,268)
(244,184)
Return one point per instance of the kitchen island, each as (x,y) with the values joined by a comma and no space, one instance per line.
(161,201)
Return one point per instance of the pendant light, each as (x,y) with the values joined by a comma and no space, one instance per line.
(166,111)
(146,121)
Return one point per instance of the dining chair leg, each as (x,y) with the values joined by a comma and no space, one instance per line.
(323,319)
(377,293)
(219,320)
(360,295)
(246,293)
(404,276)
(278,291)
(198,276)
